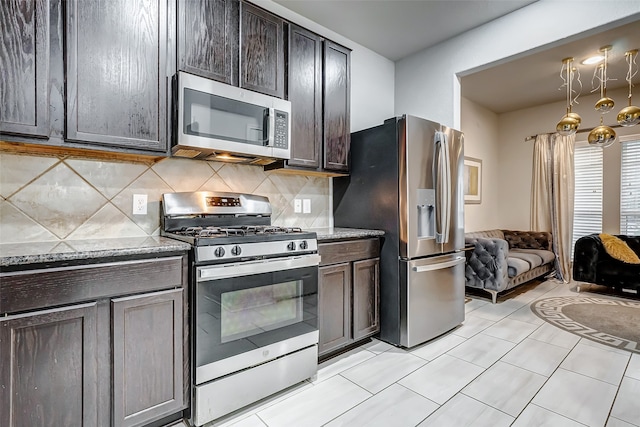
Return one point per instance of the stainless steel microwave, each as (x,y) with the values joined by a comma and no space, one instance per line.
(216,121)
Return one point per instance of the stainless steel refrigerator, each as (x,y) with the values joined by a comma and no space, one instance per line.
(406,179)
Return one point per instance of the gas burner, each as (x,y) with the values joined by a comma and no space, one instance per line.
(233,231)
(271,229)
(209,232)
(190,231)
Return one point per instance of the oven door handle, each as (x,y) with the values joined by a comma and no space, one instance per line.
(239,269)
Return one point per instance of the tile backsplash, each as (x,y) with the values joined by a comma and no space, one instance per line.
(51,198)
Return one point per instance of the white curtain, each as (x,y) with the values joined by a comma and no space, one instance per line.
(552,190)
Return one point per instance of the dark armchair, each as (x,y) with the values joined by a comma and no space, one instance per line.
(592,264)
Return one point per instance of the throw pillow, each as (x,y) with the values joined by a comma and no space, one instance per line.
(619,249)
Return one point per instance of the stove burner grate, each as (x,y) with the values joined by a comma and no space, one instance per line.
(236,231)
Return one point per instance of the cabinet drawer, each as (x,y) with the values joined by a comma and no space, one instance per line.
(34,289)
(348,251)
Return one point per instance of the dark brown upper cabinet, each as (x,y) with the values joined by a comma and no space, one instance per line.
(24,67)
(208,43)
(116,73)
(261,51)
(318,81)
(336,86)
(305,94)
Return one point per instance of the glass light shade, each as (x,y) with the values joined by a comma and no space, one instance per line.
(601,136)
(567,125)
(629,116)
(605,104)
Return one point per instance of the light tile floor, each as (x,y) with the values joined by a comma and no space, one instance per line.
(504,366)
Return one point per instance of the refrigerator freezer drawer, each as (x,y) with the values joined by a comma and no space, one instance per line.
(434,299)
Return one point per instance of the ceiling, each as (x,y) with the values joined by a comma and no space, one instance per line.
(535,79)
(398,28)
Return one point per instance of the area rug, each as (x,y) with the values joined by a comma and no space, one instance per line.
(612,322)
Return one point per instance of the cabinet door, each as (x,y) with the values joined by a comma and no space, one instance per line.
(208,38)
(147,357)
(336,85)
(48,368)
(262,51)
(24,67)
(305,94)
(115,73)
(334,291)
(366,298)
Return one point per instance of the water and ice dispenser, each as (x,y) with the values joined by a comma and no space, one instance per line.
(426,198)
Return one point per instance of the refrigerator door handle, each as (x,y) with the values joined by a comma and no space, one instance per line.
(442,184)
(431,267)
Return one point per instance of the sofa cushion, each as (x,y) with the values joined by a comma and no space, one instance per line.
(517,266)
(619,249)
(527,239)
(546,256)
(530,257)
(522,260)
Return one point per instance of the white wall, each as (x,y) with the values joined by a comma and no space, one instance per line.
(372,75)
(426,84)
(515,157)
(480,127)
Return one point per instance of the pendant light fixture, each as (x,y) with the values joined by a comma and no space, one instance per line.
(603,136)
(604,104)
(570,122)
(630,116)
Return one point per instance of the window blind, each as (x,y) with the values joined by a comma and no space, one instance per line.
(630,188)
(587,209)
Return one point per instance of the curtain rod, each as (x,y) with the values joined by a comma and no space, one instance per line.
(529,138)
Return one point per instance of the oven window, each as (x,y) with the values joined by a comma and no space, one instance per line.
(253,311)
(239,314)
(223,118)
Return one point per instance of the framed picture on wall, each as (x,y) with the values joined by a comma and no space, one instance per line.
(472,180)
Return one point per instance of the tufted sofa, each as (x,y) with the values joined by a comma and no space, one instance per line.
(498,260)
(592,263)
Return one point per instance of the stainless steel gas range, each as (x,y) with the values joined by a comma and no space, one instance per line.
(254,296)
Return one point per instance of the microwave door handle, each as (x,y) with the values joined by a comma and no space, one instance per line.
(271,127)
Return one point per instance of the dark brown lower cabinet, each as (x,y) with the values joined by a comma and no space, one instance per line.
(112,353)
(147,345)
(335,310)
(349,293)
(366,298)
(48,368)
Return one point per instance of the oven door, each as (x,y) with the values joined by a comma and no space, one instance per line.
(251,312)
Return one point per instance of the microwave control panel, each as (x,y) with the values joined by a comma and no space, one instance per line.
(281,131)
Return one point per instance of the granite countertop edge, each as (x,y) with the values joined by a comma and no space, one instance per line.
(338,233)
(16,254)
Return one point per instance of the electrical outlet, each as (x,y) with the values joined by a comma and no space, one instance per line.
(306,205)
(297,205)
(139,204)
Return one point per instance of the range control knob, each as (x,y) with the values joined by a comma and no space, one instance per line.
(304,245)
(236,250)
(291,246)
(219,252)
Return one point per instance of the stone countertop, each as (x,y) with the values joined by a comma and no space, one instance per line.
(14,254)
(336,233)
